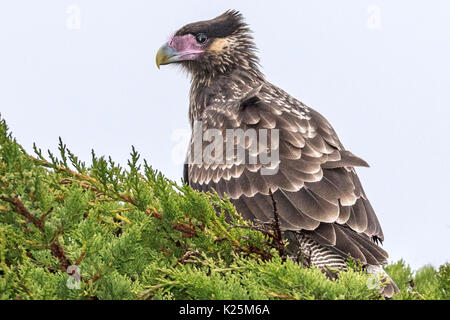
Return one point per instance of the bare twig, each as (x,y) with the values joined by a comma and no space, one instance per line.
(56,250)
(271,230)
(44,216)
(80,259)
(20,209)
(188,231)
(186,258)
(278,235)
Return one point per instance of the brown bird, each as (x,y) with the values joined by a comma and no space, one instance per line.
(301,164)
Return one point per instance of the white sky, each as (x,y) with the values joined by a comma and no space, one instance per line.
(378,70)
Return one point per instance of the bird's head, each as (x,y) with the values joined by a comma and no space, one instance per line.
(210,47)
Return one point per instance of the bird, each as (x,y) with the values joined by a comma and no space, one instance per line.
(323,209)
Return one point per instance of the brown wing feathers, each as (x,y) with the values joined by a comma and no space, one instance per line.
(316,187)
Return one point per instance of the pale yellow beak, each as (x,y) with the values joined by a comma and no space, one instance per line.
(166,55)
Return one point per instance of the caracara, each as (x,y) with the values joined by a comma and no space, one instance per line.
(321,204)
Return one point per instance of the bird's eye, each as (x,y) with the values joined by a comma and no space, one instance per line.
(201,38)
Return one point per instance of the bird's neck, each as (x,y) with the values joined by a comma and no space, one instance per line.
(207,89)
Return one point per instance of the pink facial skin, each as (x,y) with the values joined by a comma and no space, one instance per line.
(186,47)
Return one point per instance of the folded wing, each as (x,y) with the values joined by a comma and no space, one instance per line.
(313,180)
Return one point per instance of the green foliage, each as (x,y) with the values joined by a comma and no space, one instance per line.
(426,283)
(133,234)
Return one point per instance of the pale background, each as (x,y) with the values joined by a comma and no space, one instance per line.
(378,70)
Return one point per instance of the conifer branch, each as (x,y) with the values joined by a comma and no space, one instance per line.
(20,209)
(56,250)
(124,225)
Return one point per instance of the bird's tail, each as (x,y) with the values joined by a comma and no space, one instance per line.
(310,253)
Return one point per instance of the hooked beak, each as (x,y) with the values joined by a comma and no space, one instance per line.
(166,55)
